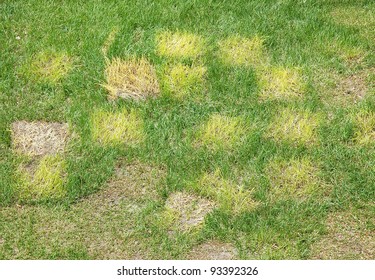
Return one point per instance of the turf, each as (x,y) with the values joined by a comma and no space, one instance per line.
(261,117)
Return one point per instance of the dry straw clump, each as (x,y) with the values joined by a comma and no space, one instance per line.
(229,196)
(222,132)
(365,128)
(185,211)
(115,128)
(182,80)
(280,83)
(296,178)
(50,66)
(241,51)
(297,127)
(179,45)
(39,138)
(213,250)
(132,79)
(42,180)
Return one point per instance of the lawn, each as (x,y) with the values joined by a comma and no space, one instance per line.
(187,129)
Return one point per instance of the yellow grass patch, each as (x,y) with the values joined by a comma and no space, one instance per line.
(42,179)
(353,16)
(182,79)
(179,44)
(222,132)
(115,128)
(229,196)
(365,128)
(243,51)
(185,211)
(109,41)
(296,178)
(50,66)
(213,250)
(298,127)
(280,83)
(131,79)
(39,138)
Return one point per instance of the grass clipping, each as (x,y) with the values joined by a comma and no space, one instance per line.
(132,79)
(297,127)
(43,181)
(242,51)
(115,128)
(222,132)
(179,45)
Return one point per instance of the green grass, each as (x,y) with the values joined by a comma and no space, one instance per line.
(253,81)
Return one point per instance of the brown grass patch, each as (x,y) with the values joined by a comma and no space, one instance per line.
(347,238)
(185,211)
(213,250)
(132,79)
(39,138)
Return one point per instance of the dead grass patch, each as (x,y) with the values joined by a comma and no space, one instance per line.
(347,238)
(353,16)
(185,211)
(296,178)
(229,196)
(179,44)
(39,138)
(280,83)
(109,41)
(213,250)
(182,80)
(132,79)
(222,132)
(365,127)
(241,51)
(297,127)
(42,179)
(115,128)
(50,66)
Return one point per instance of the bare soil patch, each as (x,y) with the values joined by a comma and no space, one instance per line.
(213,250)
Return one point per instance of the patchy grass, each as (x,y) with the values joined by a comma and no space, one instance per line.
(280,83)
(365,127)
(179,45)
(39,138)
(296,127)
(132,79)
(185,211)
(117,128)
(296,178)
(213,250)
(182,80)
(229,196)
(49,67)
(222,132)
(109,41)
(353,16)
(242,51)
(43,179)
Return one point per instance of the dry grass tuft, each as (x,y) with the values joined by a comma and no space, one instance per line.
(280,83)
(298,127)
(213,250)
(116,128)
(133,79)
(229,196)
(222,132)
(50,66)
(182,80)
(42,179)
(365,128)
(184,211)
(39,138)
(237,50)
(293,179)
(179,45)
(347,238)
